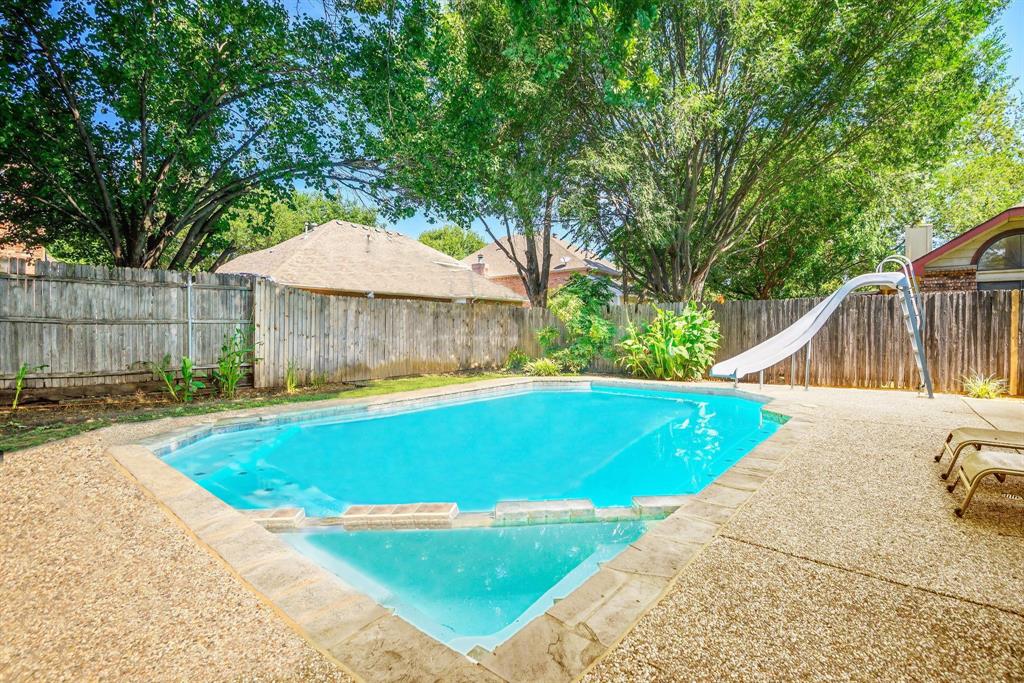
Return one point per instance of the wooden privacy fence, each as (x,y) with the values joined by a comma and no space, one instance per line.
(92,325)
(344,338)
(866,344)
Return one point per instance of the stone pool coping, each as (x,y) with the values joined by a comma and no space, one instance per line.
(367,639)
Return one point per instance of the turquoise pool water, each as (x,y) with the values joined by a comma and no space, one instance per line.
(605,444)
(468,587)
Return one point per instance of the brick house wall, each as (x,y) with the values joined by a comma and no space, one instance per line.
(513,282)
(948,280)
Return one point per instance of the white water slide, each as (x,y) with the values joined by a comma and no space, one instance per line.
(799,334)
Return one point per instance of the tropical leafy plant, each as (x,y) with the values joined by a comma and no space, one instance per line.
(542,367)
(19,381)
(189,384)
(978,385)
(673,346)
(236,351)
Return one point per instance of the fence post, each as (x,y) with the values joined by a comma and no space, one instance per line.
(188,312)
(1014,342)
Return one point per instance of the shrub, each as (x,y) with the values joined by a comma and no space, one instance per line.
(981,386)
(236,351)
(579,306)
(542,367)
(19,381)
(516,360)
(679,346)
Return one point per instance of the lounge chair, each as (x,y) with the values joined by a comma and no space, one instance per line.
(976,466)
(960,439)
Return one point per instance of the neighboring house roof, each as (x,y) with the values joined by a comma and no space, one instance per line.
(357,259)
(970,240)
(565,257)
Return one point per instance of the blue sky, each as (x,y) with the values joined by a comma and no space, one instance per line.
(1011,23)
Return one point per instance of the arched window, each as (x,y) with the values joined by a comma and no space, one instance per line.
(1005,253)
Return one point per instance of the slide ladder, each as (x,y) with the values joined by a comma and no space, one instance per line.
(798,335)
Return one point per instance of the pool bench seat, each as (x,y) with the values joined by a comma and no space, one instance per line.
(976,466)
(963,437)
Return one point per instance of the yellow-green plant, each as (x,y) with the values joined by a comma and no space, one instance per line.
(291,378)
(673,346)
(984,386)
(542,367)
(19,381)
(318,381)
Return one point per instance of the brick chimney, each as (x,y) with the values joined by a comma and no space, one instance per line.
(918,241)
(480,268)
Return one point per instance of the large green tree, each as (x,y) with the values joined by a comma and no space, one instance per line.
(133,128)
(983,173)
(476,104)
(747,100)
(453,240)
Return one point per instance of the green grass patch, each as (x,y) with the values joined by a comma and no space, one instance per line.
(15,435)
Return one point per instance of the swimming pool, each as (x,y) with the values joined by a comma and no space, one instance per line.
(606,444)
(468,587)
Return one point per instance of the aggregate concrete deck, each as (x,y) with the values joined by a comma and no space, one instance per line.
(846,563)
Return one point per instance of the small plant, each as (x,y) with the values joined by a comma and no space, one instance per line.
(162,370)
(675,346)
(235,352)
(291,378)
(516,360)
(542,367)
(189,384)
(19,381)
(318,381)
(186,389)
(982,386)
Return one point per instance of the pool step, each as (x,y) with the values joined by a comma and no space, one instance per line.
(406,516)
(277,519)
(530,511)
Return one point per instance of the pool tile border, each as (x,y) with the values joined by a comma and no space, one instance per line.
(367,639)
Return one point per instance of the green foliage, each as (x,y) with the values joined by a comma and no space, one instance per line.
(452,240)
(236,351)
(318,381)
(579,305)
(291,378)
(131,130)
(19,381)
(748,100)
(516,360)
(673,346)
(183,390)
(542,367)
(548,338)
(163,371)
(978,385)
(983,173)
(189,384)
